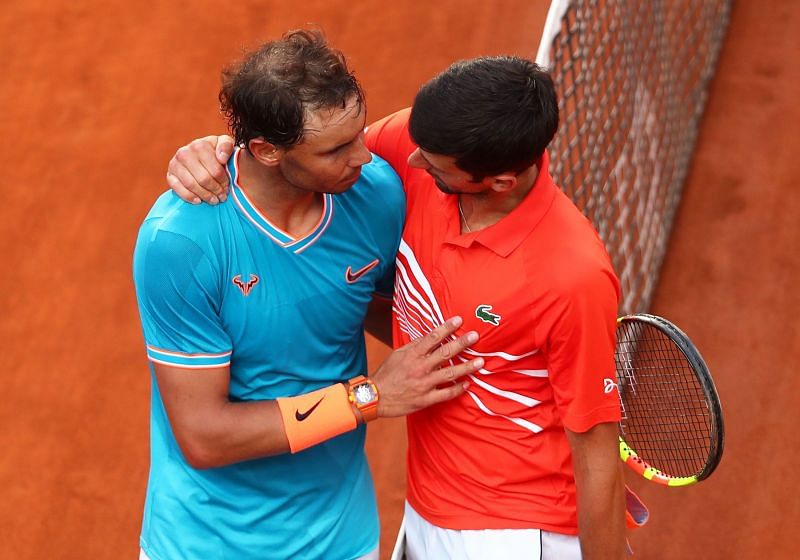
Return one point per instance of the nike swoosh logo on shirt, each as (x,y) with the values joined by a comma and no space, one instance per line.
(300,416)
(351,276)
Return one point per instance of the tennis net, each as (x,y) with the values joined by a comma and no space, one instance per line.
(633,78)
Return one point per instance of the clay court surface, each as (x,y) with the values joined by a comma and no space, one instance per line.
(97,95)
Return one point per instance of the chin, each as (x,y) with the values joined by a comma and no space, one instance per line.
(444,188)
(352,180)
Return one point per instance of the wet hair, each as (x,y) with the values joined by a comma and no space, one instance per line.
(493,114)
(271,91)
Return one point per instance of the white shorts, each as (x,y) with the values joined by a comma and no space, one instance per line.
(425,541)
(370,556)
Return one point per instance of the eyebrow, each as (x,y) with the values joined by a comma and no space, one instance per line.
(345,143)
(341,145)
(433,165)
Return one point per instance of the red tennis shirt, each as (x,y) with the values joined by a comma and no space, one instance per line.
(539,288)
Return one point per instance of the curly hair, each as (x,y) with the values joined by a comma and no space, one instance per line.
(270,92)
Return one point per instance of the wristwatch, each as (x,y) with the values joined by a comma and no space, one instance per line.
(363,393)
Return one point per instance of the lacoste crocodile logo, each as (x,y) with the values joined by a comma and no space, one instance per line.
(352,277)
(482,312)
(300,416)
(245,287)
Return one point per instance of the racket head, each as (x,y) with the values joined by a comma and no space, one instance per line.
(672,430)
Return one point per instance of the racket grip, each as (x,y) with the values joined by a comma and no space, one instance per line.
(636,513)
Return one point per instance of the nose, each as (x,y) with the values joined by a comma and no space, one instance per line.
(416,160)
(361,155)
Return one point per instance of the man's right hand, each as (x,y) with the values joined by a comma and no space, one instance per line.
(419,374)
(197,171)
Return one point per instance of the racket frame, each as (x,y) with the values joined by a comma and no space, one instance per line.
(703,376)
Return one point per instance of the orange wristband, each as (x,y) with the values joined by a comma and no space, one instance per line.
(316,417)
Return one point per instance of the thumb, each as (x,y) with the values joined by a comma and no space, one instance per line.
(224,148)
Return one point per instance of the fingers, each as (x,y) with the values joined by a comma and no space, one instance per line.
(446,351)
(194,168)
(434,338)
(224,145)
(447,393)
(176,185)
(213,153)
(453,372)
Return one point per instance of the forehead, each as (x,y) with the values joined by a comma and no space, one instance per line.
(333,126)
(440,161)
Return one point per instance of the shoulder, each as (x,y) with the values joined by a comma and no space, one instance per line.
(176,234)
(569,248)
(172,214)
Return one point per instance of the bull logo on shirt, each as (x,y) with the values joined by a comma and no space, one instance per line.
(245,287)
(483,312)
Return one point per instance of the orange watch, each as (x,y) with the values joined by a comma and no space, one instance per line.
(363,393)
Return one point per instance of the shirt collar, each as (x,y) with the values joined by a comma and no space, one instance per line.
(506,235)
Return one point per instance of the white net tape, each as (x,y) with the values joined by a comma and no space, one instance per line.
(632,77)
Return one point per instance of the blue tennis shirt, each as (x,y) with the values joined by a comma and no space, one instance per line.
(220,285)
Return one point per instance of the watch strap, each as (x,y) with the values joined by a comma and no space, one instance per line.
(369,410)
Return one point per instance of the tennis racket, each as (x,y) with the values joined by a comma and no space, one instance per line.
(671,431)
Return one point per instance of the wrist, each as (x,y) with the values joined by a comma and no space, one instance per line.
(364,397)
(315,417)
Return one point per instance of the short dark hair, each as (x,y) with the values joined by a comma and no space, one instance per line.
(493,114)
(268,93)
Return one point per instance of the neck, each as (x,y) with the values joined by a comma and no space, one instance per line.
(484,209)
(294,210)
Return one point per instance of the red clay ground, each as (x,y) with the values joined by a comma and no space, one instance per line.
(97,95)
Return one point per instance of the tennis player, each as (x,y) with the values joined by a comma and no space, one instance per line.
(253,315)
(525,464)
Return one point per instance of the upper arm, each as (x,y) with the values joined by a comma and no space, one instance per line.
(581,352)
(179,297)
(595,448)
(191,397)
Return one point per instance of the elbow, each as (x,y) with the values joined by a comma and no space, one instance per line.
(198,454)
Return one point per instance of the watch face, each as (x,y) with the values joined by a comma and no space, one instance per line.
(363,393)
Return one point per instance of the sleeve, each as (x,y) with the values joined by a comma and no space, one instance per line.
(389,139)
(394,204)
(581,353)
(178,297)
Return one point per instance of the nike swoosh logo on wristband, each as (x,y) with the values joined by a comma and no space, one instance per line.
(300,416)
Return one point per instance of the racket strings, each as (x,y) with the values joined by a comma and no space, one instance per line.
(665,416)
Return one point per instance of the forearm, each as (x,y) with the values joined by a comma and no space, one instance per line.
(239,431)
(601,514)
(213,431)
(232,432)
(600,487)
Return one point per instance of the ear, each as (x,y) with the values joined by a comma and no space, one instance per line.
(265,152)
(501,183)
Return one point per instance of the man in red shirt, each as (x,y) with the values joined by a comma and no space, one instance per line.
(527,458)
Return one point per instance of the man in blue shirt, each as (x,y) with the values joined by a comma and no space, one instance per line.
(253,314)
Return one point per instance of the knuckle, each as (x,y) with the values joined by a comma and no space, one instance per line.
(182,155)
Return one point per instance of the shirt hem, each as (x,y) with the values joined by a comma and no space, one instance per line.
(477,522)
(586,422)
